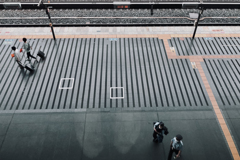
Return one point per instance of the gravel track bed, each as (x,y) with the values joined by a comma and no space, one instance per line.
(118,13)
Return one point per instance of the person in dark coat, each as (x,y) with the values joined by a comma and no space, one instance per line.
(159,130)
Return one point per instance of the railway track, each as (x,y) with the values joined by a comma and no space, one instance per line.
(20,18)
(129,17)
(116,21)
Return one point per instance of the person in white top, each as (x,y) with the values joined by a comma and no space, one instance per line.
(17,55)
(176,146)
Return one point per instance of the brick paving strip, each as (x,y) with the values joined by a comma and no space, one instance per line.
(171,55)
(217,111)
(198,59)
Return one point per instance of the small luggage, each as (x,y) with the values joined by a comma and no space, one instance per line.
(41,54)
(29,68)
(20,64)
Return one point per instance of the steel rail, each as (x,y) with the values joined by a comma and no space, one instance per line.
(117,24)
(224,2)
(20,18)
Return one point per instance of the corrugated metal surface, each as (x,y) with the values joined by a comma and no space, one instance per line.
(224,75)
(139,65)
(206,46)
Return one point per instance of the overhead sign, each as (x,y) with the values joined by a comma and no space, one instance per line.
(121,5)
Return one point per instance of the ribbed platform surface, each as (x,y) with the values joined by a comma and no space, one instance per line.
(139,65)
(206,46)
(224,76)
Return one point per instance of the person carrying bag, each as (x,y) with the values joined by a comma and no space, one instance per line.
(27,48)
(159,130)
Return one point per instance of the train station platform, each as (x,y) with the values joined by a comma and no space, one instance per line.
(98,90)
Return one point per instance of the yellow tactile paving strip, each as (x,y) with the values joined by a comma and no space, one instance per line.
(198,60)
(218,113)
(171,55)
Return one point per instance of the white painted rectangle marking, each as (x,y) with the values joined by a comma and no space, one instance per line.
(116,88)
(60,84)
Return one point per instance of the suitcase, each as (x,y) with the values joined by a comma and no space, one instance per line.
(29,66)
(41,54)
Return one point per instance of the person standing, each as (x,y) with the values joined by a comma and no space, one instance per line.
(159,130)
(176,146)
(27,48)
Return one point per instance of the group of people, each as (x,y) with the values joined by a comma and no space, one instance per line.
(176,144)
(26,46)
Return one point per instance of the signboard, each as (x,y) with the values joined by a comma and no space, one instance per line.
(121,5)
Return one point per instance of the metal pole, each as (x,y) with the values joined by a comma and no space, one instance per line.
(196,25)
(49,17)
(53,32)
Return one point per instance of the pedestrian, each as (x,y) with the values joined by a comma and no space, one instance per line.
(17,55)
(27,48)
(159,130)
(176,146)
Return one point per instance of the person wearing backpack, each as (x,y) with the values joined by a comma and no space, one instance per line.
(159,130)
(176,146)
(27,48)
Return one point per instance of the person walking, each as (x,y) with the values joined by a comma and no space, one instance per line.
(159,130)
(17,56)
(176,146)
(27,48)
